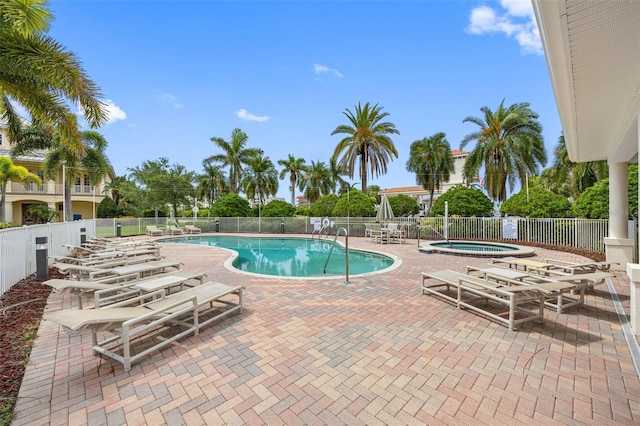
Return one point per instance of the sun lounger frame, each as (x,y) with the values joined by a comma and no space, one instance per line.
(156,312)
(511,294)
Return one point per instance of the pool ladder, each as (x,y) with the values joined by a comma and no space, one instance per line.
(346,252)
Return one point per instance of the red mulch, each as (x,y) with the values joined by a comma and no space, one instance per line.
(20,312)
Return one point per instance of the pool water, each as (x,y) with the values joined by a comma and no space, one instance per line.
(469,246)
(290,256)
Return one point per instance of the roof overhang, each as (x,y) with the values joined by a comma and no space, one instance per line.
(593,54)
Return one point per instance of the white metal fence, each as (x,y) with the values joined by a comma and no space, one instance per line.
(17,245)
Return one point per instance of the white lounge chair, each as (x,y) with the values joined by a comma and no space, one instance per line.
(129,321)
(153,230)
(191,229)
(509,294)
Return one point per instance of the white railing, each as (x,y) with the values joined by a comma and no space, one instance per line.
(18,247)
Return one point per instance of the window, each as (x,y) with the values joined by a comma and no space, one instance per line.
(1,139)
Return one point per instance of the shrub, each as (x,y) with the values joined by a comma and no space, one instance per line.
(278,208)
(324,206)
(231,205)
(464,202)
(355,203)
(107,208)
(539,202)
(403,204)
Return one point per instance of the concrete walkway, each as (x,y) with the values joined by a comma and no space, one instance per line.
(374,351)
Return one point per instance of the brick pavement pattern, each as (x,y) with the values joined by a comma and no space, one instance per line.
(374,351)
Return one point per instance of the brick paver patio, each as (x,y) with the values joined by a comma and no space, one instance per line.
(373,351)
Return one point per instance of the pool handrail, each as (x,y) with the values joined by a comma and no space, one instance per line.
(346,250)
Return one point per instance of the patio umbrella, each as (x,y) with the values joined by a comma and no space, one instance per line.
(385,213)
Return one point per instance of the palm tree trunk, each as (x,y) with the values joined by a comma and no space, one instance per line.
(293,192)
(68,206)
(430,203)
(3,198)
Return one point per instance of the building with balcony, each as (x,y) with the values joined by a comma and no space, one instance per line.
(421,195)
(85,196)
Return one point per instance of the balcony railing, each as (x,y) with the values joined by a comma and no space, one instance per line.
(51,189)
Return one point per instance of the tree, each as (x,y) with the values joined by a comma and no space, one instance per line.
(260,178)
(372,191)
(509,146)
(231,205)
(354,203)
(323,206)
(165,183)
(107,208)
(234,156)
(537,202)
(316,182)
(43,212)
(336,171)
(128,198)
(580,175)
(295,168)
(367,143)
(403,204)
(211,183)
(593,203)
(13,173)
(278,208)
(42,76)
(463,201)
(431,160)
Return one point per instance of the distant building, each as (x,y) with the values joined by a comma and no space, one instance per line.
(422,195)
(85,197)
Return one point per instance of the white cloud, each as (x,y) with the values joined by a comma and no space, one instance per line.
(517,21)
(114,112)
(168,97)
(245,115)
(318,69)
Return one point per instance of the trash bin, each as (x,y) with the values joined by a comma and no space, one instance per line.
(119,230)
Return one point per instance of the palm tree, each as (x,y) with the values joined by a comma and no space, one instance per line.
(296,168)
(367,143)
(509,145)
(234,156)
(581,175)
(260,178)
(317,181)
(38,73)
(212,183)
(91,161)
(13,173)
(336,172)
(431,160)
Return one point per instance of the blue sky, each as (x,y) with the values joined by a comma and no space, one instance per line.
(176,73)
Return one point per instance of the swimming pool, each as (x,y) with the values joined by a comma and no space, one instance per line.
(291,256)
(475,248)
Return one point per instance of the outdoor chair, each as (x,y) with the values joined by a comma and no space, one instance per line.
(153,230)
(191,229)
(475,293)
(133,320)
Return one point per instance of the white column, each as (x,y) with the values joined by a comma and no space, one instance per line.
(618,200)
(633,271)
(619,248)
